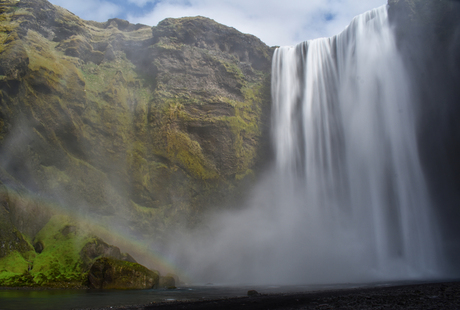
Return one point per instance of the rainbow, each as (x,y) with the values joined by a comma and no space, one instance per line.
(29,203)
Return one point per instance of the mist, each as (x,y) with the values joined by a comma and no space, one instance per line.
(154,141)
(430,49)
(365,183)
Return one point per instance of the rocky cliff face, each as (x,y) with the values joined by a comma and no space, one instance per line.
(143,128)
(429,39)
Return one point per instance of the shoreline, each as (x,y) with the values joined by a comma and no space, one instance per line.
(41,288)
(439,295)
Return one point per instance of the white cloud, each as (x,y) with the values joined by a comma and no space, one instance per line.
(275,22)
(140,3)
(98,10)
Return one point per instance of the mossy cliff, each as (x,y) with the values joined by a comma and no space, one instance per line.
(138,127)
(60,255)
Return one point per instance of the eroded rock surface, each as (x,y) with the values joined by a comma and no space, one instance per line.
(121,126)
(108,273)
(149,124)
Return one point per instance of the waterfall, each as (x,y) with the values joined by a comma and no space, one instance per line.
(346,200)
(344,133)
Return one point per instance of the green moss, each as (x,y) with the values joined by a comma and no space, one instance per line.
(146,212)
(234,70)
(100,77)
(42,55)
(168,44)
(126,138)
(188,153)
(245,126)
(247,173)
(60,259)
(18,280)
(115,90)
(180,148)
(17,12)
(13,263)
(6,276)
(14,269)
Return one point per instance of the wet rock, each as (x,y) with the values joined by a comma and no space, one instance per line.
(253,293)
(167,282)
(121,121)
(38,247)
(97,248)
(108,273)
(11,240)
(122,118)
(176,278)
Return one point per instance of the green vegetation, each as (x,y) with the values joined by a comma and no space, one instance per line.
(60,260)
(148,127)
(58,265)
(13,264)
(65,253)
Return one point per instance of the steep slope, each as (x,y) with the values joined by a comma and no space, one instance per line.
(429,33)
(139,129)
(114,117)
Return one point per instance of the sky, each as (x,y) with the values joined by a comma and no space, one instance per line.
(275,22)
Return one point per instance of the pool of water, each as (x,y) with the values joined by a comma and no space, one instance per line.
(11,299)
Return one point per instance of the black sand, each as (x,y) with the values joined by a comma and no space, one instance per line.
(418,296)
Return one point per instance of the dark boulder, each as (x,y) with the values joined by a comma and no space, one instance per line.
(167,282)
(108,273)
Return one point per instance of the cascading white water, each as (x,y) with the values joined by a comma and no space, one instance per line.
(347,200)
(344,127)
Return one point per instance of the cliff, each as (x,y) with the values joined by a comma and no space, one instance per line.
(429,39)
(134,128)
(128,130)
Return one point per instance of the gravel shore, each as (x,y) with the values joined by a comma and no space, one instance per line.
(418,296)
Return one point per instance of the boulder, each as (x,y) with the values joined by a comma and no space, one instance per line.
(97,248)
(109,273)
(167,282)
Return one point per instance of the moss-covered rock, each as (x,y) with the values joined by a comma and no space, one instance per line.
(107,273)
(11,239)
(136,127)
(152,125)
(62,253)
(97,248)
(16,252)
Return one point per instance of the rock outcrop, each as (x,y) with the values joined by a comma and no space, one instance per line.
(138,127)
(149,124)
(108,273)
(167,282)
(134,127)
(62,254)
